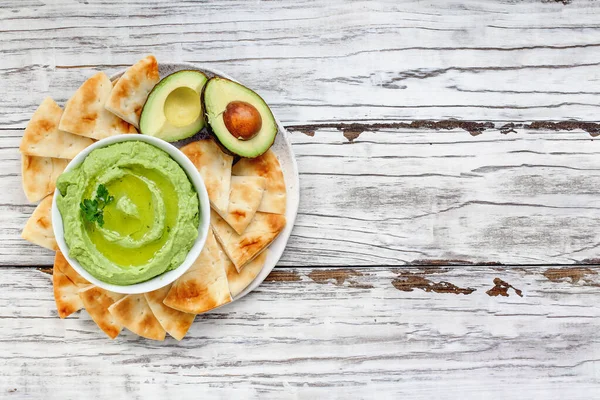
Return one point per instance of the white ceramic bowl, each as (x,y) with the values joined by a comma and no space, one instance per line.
(204,217)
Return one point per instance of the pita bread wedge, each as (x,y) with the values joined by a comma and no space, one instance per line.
(267,166)
(241,249)
(43,139)
(61,263)
(38,229)
(134,313)
(129,94)
(238,281)
(204,286)
(96,302)
(215,168)
(244,198)
(175,322)
(39,175)
(66,283)
(85,114)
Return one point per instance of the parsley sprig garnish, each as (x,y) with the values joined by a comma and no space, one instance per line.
(93,210)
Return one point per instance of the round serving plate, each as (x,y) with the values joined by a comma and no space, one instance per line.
(167,277)
(282,149)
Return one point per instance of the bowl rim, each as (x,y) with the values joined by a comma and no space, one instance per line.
(165,278)
(292,178)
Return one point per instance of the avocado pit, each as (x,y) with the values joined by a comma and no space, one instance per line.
(242,120)
(239,119)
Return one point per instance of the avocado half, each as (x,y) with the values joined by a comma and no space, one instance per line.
(173,110)
(222,95)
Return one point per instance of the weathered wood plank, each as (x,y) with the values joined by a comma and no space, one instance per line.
(316,333)
(406,196)
(326,60)
(394,197)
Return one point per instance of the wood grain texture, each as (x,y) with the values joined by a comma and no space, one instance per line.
(325,60)
(415,196)
(325,333)
(406,196)
(494,198)
(440,134)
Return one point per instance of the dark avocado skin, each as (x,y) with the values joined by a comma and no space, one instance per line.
(158,86)
(209,129)
(207,126)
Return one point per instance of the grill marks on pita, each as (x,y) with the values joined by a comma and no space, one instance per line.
(42,138)
(39,175)
(134,313)
(46,151)
(242,249)
(38,229)
(66,284)
(244,198)
(215,168)
(131,90)
(267,166)
(248,200)
(96,302)
(175,322)
(238,281)
(204,285)
(250,218)
(85,114)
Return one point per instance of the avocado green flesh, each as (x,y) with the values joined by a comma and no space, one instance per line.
(173,110)
(134,187)
(218,93)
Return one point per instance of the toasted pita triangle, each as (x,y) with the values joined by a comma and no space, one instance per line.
(241,249)
(238,281)
(43,139)
(214,167)
(85,114)
(38,229)
(39,175)
(134,313)
(204,286)
(129,94)
(61,263)
(267,166)
(96,302)
(244,198)
(66,283)
(66,294)
(175,322)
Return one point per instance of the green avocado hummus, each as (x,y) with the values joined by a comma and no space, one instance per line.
(150,226)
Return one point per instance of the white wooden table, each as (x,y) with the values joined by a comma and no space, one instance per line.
(448,233)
